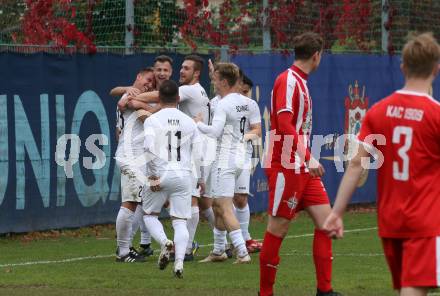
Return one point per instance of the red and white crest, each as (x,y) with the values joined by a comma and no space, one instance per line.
(356,105)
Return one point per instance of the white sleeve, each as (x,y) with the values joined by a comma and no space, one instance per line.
(184,93)
(149,135)
(255,116)
(119,119)
(149,138)
(218,123)
(197,152)
(119,116)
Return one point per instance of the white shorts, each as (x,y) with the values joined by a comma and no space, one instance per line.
(228,181)
(131,186)
(177,189)
(206,178)
(242,182)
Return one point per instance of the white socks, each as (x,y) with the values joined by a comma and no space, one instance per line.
(209,215)
(192,227)
(138,221)
(145,235)
(180,234)
(219,241)
(180,238)
(124,222)
(155,228)
(243,215)
(238,242)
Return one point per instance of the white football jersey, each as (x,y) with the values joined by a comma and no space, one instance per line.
(210,143)
(212,105)
(232,117)
(171,138)
(255,118)
(131,138)
(193,100)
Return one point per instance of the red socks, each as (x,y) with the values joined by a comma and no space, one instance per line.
(322,256)
(269,259)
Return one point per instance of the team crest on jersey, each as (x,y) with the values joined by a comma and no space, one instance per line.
(356,105)
(307,125)
(292,202)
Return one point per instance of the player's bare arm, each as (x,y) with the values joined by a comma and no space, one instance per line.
(254,133)
(122,103)
(145,113)
(198,118)
(148,97)
(333,225)
(315,167)
(139,101)
(137,105)
(211,68)
(120,90)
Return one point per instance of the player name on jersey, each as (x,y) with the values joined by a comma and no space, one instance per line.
(173,122)
(405,113)
(242,108)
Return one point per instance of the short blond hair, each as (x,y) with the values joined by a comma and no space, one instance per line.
(420,55)
(228,71)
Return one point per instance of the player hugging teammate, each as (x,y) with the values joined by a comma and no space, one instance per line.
(228,152)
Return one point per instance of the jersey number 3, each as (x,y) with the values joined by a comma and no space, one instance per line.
(407,133)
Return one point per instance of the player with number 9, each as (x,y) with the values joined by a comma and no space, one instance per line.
(229,128)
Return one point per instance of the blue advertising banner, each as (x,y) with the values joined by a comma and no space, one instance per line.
(342,89)
(43,97)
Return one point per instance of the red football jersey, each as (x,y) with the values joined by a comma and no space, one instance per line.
(408,182)
(290,94)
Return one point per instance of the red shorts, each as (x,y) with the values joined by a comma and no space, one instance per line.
(290,192)
(414,262)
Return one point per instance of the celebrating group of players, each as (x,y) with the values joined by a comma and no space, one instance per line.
(175,143)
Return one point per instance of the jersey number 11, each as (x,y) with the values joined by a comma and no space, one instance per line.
(178,134)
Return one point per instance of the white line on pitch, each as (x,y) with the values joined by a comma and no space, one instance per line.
(337,254)
(308,235)
(56,261)
(109,256)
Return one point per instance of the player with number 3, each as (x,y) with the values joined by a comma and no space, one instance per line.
(408,201)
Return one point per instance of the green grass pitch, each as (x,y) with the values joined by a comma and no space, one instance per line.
(63,263)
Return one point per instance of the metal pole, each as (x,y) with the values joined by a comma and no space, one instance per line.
(266,28)
(129,26)
(385,32)
(224,56)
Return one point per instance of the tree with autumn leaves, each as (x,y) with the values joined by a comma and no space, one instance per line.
(336,20)
(52,22)
(238,24)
